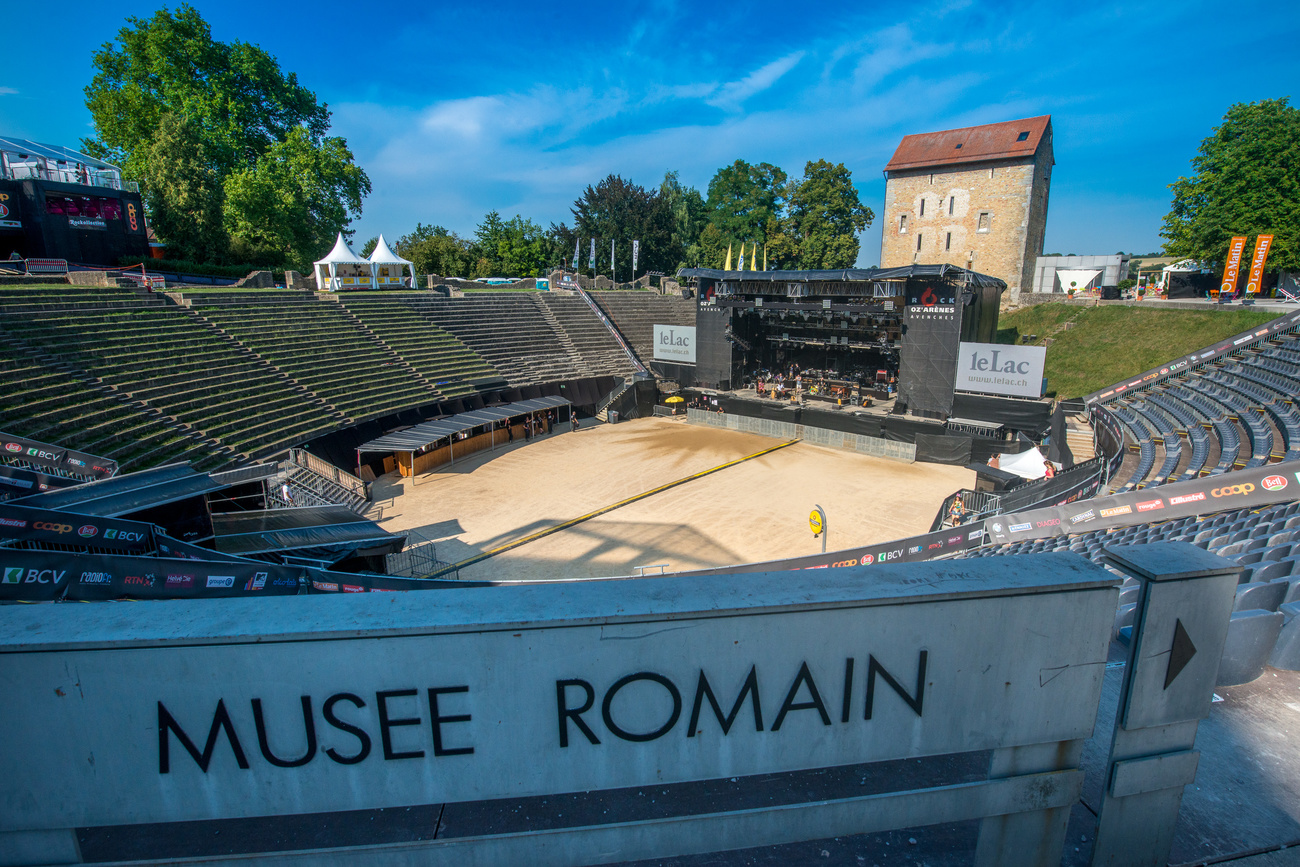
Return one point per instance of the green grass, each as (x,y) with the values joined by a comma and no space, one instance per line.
(1110,343)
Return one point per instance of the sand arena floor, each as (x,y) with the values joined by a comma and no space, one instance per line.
(754,511)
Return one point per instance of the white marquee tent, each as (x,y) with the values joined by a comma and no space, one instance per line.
(1081,279)
(343,269)
(386,266)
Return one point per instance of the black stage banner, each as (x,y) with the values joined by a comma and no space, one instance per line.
(20,483)
(1277,483)
(169,547)
(931,341)
(1223,347)
(97,576)
(85,465)
(26,524)
(1079,481)
(947,449)
(930,546)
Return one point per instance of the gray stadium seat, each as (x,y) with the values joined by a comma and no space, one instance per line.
(1286,650)
(1251,637)
(1260,595)
(1277,552)
(1269,570)
(1250,558)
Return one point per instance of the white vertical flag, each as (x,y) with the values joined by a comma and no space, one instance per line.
(741,265)
(576,251)
(611,256)
(593,254)
(636,249)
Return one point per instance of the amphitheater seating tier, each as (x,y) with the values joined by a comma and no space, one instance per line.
(636,313)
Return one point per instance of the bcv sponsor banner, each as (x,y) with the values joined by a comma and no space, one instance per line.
(43,454)
(995,368)
(26,524)
(1276,483)
(930,546)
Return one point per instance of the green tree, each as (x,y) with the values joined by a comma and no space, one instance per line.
(435,250)
(166,95)
(517,247)
(825,217)
(689,215)
(1246,181)
(742,199)
(188,197)
(623,211)
(288,206)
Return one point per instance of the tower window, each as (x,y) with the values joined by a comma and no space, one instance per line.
(958,146)
(952,203)
(918,242)
(902,224)
(1024,136)
(947,244)
(923,206)
(985,219)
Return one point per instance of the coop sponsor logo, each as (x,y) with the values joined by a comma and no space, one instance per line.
(1150,505)
(1083,517)
(257,582)
(96,578)
(1115,512)
(180,582)
(10,522)
(1149,377)
(52,528)
(1232,490)
(1197,497)
(221,580)
(19,575)
(1273,483)
(1020,528)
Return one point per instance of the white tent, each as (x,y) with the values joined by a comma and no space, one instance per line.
(343,269)
(387,266)
(1077,279)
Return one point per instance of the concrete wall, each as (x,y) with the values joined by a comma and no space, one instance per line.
(866,445)
(1012,193)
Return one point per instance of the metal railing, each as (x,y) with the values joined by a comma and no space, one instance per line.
(600,314)
(322,467)
(87,178)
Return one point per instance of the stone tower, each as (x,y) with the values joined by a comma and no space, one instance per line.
(973,197)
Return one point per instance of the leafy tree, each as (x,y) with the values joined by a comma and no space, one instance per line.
(619,209)
(1246,182)
(187,192)
(166,98)
(517,247)
(369,246)
(689,214)
(825,217)
(289,205)
(435,250)
(742,199)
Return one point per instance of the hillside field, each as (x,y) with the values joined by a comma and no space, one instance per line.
(1107,344)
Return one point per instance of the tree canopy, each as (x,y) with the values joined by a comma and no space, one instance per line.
(211,130)
(619,210)
(825,217)
(1246,181)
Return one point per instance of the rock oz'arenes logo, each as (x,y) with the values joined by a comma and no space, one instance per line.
(928,298)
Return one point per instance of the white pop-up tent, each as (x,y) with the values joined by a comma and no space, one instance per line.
(387,266)
(343,269)
(1027,464)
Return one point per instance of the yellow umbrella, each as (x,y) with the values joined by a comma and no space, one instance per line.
(675,399)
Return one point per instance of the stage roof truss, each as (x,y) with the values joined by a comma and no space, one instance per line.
(427,433)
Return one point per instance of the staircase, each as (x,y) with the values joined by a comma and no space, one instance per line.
(313,482)
(1079,437)
(603,412)
(561,335)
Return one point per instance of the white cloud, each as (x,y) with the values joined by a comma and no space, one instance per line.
(7,91)
(732,94)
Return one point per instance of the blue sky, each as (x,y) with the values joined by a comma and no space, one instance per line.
(454,110)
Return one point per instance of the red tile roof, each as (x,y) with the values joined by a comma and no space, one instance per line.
(992,141)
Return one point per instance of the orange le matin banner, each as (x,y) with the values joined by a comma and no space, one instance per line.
(1233,268)
(1257,264)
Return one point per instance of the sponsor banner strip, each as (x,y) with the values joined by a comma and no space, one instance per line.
(27,524)
(89,466)
(18,482)
(940,543)
(1223,347)
(1276,483)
